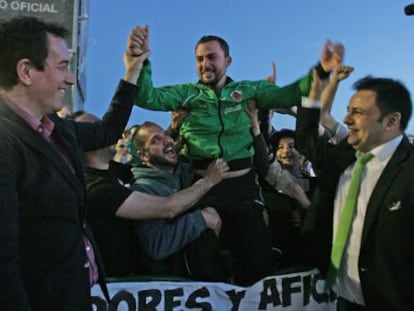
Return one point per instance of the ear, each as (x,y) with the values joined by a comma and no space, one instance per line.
(392,121)
(24,71)
(228,61)
(142,155)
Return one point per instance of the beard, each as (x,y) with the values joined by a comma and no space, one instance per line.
(212,82)
(162,161)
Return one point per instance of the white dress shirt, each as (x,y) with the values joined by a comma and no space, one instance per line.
(348,283)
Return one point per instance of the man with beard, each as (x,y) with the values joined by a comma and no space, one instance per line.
(218,127)
(111,207)
(186,245)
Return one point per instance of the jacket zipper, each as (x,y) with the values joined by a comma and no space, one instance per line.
(222,128)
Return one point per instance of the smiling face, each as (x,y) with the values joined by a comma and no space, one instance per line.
(367,127)
(286,153)
(159,148)
(48,86)
(212,63)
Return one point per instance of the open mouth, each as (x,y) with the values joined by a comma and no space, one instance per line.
(169,150)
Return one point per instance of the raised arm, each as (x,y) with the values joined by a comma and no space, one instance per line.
(328,94)
(97,135)
(270,97)
(261,157)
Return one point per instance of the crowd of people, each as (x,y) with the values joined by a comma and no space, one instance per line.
(221,195)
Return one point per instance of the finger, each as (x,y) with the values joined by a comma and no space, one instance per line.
(143,55)
(137,35)
(328,44)
(252,104)
(273,72)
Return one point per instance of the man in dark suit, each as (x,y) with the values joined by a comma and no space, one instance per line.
(376,271)
(47,258)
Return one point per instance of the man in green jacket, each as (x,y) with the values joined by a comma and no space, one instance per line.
(218,127)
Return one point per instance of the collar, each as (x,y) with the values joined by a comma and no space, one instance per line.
(383,153)
(43,126)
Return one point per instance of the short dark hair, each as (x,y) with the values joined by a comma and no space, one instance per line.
(223,44)
(391,96)
(277,136)
(138,140)
(24,37)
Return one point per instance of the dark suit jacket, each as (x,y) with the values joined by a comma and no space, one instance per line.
(42,208)
(386,258)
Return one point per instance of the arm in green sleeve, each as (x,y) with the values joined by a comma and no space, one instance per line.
(269,96)
(167,98)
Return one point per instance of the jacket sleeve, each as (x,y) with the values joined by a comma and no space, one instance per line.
(167,98)
(269,96)
(97,135)
(261,156)
(307,136)
(12,290)
(313,147)
(160,239)
(277,177)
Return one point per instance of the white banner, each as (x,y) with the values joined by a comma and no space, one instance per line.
(300,291)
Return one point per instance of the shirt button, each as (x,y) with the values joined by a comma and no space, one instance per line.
(86,265)
(88,248)
(363,269)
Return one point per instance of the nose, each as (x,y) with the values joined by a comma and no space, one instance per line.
(70,77)
(205,62)
(347,119)
(168,140)
(287,148)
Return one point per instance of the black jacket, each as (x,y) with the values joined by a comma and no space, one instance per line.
(42,208)
(386,259)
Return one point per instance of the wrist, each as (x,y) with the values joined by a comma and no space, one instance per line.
(256,132)
(132,75)
(311,103)
(206,183)
(322,73)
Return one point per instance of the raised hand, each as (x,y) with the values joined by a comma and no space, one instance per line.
(332,55)
(136,53)
(341,72)
(272,78)
(138,41)
(177,118)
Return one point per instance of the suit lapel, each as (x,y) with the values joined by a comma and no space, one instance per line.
(386,180)
(69,144)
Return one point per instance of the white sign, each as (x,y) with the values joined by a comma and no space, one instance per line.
(301,291)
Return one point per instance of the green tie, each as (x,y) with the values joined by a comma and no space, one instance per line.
(345,221)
